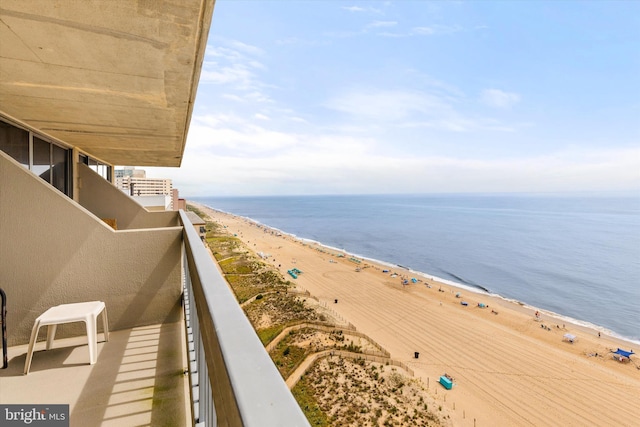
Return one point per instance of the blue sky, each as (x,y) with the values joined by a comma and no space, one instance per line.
(332,97)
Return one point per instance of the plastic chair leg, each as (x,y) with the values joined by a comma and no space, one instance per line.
(32,343)
(51,334)
(105,324)
(92,337)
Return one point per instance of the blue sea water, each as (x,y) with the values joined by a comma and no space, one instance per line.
(574,255)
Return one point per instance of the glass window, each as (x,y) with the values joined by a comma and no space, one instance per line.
(41,159)
(15,142)
(93,164)
(60,170)
(100,168)
(49,161)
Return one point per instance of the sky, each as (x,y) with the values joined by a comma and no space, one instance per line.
(359,97)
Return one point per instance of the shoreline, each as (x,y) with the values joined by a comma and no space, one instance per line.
(583,325)
(508,366)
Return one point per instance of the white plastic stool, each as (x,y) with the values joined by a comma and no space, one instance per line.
(86,312)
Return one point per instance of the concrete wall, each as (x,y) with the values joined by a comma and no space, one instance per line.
(158,202)
(53,251)
(104,200)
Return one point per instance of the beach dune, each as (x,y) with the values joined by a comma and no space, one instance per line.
(509,368)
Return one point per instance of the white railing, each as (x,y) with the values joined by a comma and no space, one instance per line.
(233,380)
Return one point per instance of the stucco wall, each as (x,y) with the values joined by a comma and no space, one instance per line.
(106,201)
(53,251)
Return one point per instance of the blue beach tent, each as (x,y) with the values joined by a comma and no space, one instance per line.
(623,353)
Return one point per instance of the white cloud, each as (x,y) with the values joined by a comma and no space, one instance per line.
(431,30)
(214,73)
(228,155)
(261,116)
(412,109)
(427,31)
(386,105)
(358,9)
(301,42)
(390,34)
(228,132)
(232,97)
(498,98)
(338,165)
(246,48)
(235,66)
(297,119)
(257,96)
(379,24)
(436,29)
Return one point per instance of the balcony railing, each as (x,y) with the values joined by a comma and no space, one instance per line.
(233,380)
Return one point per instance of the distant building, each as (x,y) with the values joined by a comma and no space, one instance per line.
(129,171)
(134,182)
(177,202)
(152,193)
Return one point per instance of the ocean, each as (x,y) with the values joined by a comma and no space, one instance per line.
(574,255)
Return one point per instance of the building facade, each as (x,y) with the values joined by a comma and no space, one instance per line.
(135,183)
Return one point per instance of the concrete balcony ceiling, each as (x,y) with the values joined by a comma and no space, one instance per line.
(117,79)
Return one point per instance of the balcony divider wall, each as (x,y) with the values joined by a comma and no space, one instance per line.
(104,200)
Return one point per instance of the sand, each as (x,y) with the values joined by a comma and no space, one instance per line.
(510,369)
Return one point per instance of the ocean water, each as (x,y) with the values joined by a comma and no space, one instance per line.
(574,255)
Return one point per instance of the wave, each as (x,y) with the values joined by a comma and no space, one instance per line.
(467,282)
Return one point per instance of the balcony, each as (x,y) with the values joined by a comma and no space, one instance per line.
(137,379)
(170,360)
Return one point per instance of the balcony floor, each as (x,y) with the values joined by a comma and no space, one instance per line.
(137,380)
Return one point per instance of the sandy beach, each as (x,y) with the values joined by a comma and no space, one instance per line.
(509,368)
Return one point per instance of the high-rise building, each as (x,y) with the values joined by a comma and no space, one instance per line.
(129,171)
(152,193)
(144,186)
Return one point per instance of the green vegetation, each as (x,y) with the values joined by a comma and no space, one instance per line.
(223,247)
(247,275)
(288,359)
(351,392)
(268,334)
(196,211)
(235,265)
(306,398)
(280,309)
